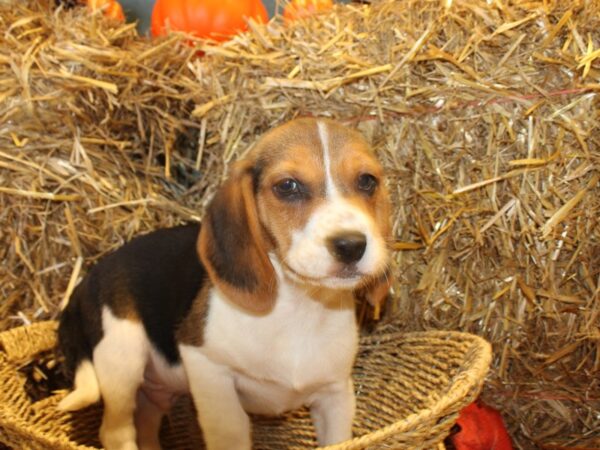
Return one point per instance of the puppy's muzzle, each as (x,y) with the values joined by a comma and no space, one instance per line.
(347,248)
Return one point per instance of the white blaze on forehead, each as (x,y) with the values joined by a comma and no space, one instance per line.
(330,189)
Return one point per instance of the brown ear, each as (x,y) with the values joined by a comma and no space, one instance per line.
(232,246)
(376,291)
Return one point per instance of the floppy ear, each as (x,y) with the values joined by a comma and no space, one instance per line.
(232,246)
(376,291)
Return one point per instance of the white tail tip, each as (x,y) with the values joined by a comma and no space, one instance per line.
(87,390)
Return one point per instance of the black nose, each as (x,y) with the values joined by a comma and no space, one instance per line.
(348,247)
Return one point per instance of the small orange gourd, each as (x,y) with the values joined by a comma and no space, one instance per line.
(111,8)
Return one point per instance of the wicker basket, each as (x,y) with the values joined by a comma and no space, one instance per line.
(409,388)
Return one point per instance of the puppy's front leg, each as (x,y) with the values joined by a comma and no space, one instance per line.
(224,423)
(332,411)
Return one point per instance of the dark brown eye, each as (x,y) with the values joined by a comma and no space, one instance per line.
(290,189)
(366,183)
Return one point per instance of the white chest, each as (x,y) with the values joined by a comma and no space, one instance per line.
(278,360)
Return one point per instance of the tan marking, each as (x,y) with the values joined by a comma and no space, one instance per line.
(351,156)
(191,329)
(290,151)
(279,217)
(120,300)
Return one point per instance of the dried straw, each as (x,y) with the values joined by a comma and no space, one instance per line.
(484,113)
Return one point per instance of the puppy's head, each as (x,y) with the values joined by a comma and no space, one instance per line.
(311,195)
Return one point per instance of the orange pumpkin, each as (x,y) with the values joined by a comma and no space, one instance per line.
(111,8)
(296,9)
(216,19)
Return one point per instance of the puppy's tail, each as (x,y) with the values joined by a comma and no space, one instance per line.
(87,390)
(75,345)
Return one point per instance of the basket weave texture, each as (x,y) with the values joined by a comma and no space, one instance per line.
(410,388)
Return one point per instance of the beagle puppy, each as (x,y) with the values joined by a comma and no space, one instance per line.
(251,312)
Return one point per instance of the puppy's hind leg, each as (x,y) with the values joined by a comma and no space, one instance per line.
(148,417)
(119,360)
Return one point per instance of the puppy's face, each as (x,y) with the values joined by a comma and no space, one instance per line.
(322,203)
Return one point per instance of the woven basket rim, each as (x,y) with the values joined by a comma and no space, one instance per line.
(461,387)
(454,398)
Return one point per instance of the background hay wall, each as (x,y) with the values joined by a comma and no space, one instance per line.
(484,113)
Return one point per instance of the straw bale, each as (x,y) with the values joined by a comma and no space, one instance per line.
(485,114)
